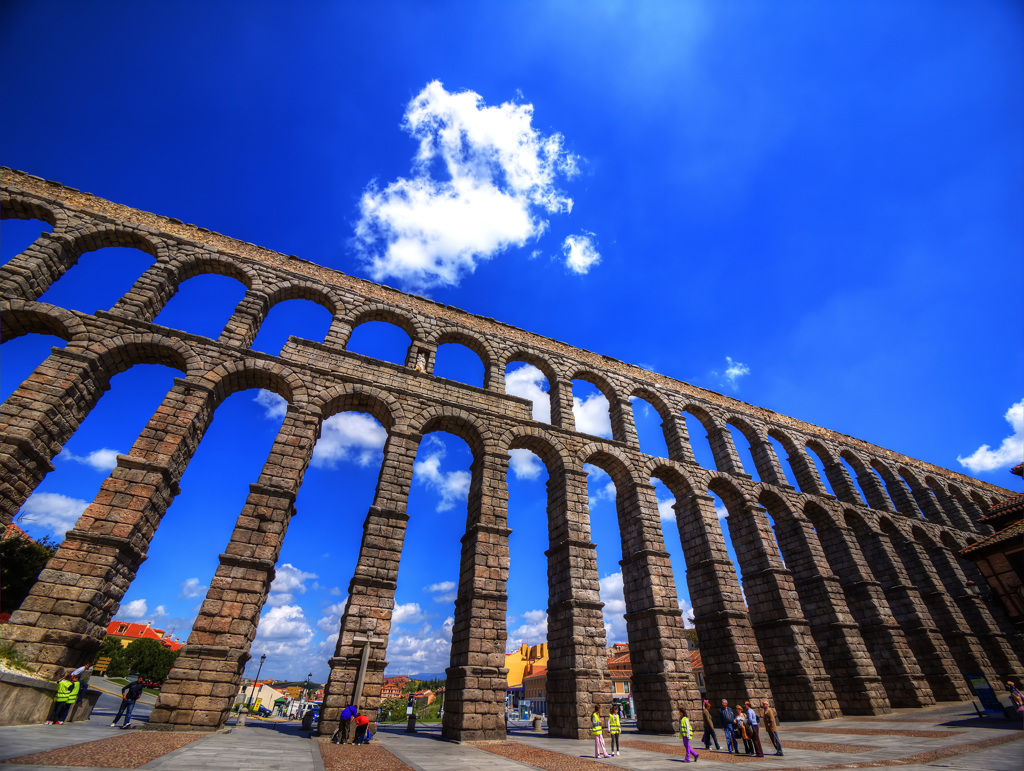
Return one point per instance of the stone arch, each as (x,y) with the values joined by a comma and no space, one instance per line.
(466,426)
(675,478)
(184,266)
(304,290)
(404,320)
(732,496)
(871,491)
(546,446)
(609,459)
(121,353)
(530,357)
(478,344)
(243,374)
(78,243)
(761,452)
(927,504)
(896,489)
(18,207)
(804,470)
(24,318)
(718,437)
(378,403)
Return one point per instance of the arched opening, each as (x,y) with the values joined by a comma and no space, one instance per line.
(304,319)
(98,279)
(380,340)
(202,305)
(455,361)
(818,459)
(591,409)
(699,430)
(650,429)
(529,382)
(19,235)
(21,356)
(744,450)
(784,456)
(861,497)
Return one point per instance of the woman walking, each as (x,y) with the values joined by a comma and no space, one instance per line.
(686,733)
(598,731)
(709,727)
(615,728)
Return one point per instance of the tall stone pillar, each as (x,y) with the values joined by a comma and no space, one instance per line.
(577,678)
(962,641)
(733,666)
(623,424)
(802,688)
(371,592)
(561,405)
(662,678)
(63,620)
(806,474)
(842,484)
(873,490)
(977,615)
(202,685)
(901,497)
(27,276)
(724,451)
(244,325)
(677,438)
(954,513)
(38,419)
(890,652)
(928,504)
(149,295)
(338,333)
(768,468)
(929,647)
(474,707)
(844,653)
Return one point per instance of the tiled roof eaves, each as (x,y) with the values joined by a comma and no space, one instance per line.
(1014,531)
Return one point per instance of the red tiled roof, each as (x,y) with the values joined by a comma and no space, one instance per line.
(135,631)
(1012,533)
(695,661)
(538,671)
(13,531)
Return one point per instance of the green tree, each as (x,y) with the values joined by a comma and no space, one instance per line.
(21,561)
(113,649)
(393,709)
(149,659)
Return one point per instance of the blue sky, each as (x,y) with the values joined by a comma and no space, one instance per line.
(813,207)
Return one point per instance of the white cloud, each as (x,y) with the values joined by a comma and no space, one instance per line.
(733,372)
(533,630)
(599,485)
(530,383)
(287,582)
(687,609)
(191,587)
(525,465)
(100,460)
(428,650)
(592,415)
(283,631)
(499,182)
(408,613)
(133,610)
(1009,453)
(328,623)
(58,513)
(720,511)
(443,592)
(614,608)
(666,510)
(274,406)
(452,486)
(443,586)
(350,436)
(580,253)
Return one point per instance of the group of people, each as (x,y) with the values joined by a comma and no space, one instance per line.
(742,723)
(351,715)
(67,694)
(614,729)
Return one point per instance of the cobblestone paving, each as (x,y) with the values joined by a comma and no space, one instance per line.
(128,751)
(371,757)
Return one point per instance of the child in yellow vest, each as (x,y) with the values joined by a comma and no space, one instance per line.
(598,731)
(615,728)
(686,733)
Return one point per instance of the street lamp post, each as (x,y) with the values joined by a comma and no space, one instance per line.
(253,691)
(305,690)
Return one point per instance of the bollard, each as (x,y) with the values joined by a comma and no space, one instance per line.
(537,720)
(410,728)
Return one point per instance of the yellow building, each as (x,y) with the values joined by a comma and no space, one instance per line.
(521,663)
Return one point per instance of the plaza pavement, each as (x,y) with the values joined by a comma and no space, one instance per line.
(272,745)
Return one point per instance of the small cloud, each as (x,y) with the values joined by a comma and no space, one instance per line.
(408,613)
(101,460)
(443,586)
(592,415)
(133,610)
(58,513)
(444,592)
(599,485)
(288,581)
(666,508)
(580,253)
(328,624)
(614,608)
(452,486)
(525,465)
(283,631)
(192,587)
(1009,453)
(733,372)
(720,511)
(351,436)
(530,383)
(533,630)
(274,406)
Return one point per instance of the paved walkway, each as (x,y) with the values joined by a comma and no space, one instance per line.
(275,745)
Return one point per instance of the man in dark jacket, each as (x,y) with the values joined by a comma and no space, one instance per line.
(129,695)
(728,718)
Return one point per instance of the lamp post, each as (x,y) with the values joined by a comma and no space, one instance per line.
(305,690)
(253,691)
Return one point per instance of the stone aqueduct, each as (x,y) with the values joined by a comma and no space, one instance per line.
(867,608)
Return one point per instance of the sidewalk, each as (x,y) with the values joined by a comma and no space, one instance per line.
(947,736)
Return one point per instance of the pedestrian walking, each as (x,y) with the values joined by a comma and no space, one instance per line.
(728,725)
(129,695)
(615,728)
(67,695)
(686,733)
(771,725)
(709,727)
(753,729)
(598,732)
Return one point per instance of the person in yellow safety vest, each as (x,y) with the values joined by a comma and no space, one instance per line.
(615,728)
(67,695)
(686,733)
(598,731)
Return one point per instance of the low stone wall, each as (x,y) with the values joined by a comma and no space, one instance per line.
(27,700)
